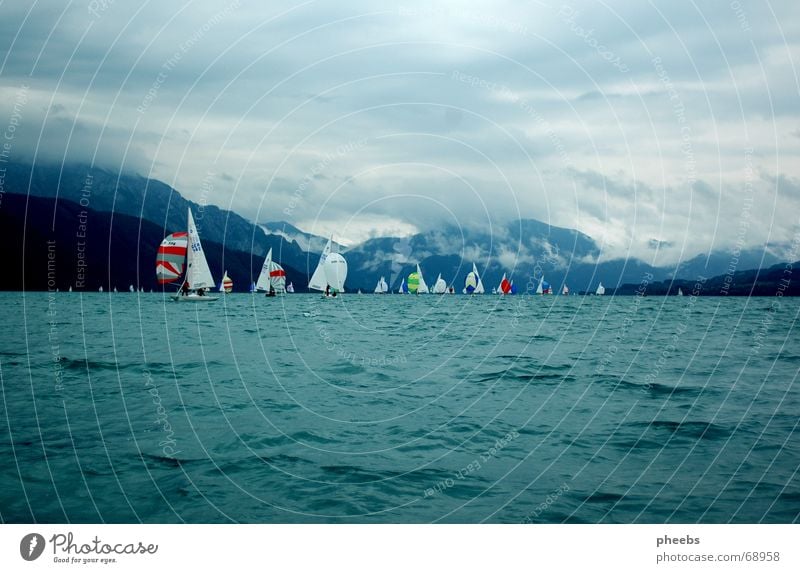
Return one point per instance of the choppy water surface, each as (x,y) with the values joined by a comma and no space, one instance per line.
(124,408)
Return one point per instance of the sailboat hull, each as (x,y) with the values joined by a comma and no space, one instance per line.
(193,298)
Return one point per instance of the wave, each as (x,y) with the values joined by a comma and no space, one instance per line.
(604,497)
(527,374)
(654,388)
(689,429)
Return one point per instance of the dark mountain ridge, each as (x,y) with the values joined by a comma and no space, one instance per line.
(524,250)
(48,244)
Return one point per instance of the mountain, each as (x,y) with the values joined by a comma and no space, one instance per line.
(153,201)
(522,249)
(48,243)
(757,282)
(306,241)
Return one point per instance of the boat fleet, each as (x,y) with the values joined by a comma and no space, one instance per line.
(181,260)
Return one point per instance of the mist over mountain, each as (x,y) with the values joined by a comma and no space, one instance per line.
(524,250)
(306,241)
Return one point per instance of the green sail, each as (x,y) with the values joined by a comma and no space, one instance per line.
(413,282)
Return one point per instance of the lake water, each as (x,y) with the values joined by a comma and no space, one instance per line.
(127,408)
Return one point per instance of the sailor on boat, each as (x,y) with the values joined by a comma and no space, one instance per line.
(271,291)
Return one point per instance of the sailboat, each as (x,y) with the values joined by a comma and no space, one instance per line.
(505,286)
(70,288)
(226,284)
(331,272)
(181,248)
(381,287)
(601,290)
(115,289)
(423,286)
(478,289)
(413,282)
(272,278)
(290,288)
(403,287)
(473,283)
(544,287)
(100,289)
(565,290)
(416,282)
(439,287)
(131,289)
(680,291)
(277,276)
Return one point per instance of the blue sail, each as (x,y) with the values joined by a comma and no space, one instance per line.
(470,282)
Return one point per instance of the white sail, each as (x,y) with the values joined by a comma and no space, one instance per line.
(331,270)
(439,287)
(423,287)
(601,290)
(382,287)
(335,271)
(262,284)
(290,288)
(131,289)
(539,289)
(318,280)
(70,289)
(565,290)
(680,291)
(198,274)
(478,289)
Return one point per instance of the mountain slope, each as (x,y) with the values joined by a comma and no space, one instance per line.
(306,241)
(44,240)
(773,281)
(522,249)
(150,200)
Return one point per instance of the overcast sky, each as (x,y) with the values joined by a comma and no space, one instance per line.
(672,124)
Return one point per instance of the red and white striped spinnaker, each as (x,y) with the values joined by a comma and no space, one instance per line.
(171,257)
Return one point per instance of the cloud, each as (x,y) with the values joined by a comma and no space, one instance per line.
(631,124)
